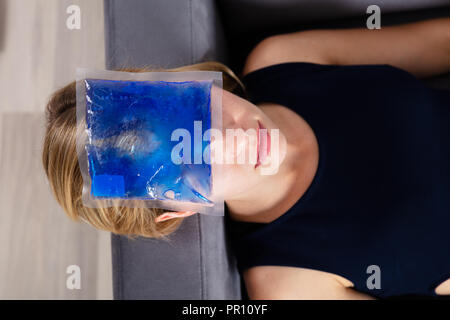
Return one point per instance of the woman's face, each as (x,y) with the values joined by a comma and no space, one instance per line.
(253,153)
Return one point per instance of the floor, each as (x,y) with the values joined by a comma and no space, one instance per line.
(38,54)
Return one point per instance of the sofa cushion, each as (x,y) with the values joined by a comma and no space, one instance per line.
(256,15)
(196,263)
(163,33)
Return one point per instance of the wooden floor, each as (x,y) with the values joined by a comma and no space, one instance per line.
(38,54)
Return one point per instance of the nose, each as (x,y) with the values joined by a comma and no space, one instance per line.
(229,121)
(233,110)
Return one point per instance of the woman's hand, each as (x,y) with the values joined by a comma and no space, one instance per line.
(172,214)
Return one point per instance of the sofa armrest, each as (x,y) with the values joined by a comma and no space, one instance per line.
(196,263)
(163,33)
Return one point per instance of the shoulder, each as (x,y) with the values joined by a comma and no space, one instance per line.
(298,47)
(292,283)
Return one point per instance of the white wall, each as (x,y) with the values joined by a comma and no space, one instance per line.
(38,54)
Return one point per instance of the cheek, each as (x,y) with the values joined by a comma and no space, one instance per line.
(238,112)
(237,179)
(228,120)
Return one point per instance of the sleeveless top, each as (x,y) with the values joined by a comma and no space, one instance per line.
(378,208)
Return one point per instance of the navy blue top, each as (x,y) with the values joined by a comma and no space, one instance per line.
(381,194)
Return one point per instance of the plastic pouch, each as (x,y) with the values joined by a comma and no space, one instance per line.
(143,139)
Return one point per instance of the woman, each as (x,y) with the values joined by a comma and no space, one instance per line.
(359,207)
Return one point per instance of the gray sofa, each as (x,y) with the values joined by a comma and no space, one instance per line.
(198,263)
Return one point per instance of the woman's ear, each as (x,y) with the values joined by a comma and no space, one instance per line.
(170,215)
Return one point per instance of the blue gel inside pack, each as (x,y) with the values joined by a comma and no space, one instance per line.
(129,126)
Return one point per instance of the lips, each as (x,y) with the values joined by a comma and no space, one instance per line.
(263,148)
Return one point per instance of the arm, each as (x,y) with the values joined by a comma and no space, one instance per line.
(421,48)
(291,283)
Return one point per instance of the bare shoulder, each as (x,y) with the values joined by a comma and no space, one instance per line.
(298,47)
(421,48)
(292,283)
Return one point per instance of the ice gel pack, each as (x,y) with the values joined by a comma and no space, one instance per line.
(141,139)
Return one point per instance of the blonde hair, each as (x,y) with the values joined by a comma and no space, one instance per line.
(60,161)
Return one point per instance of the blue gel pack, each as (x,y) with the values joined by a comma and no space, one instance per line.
(129,125)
